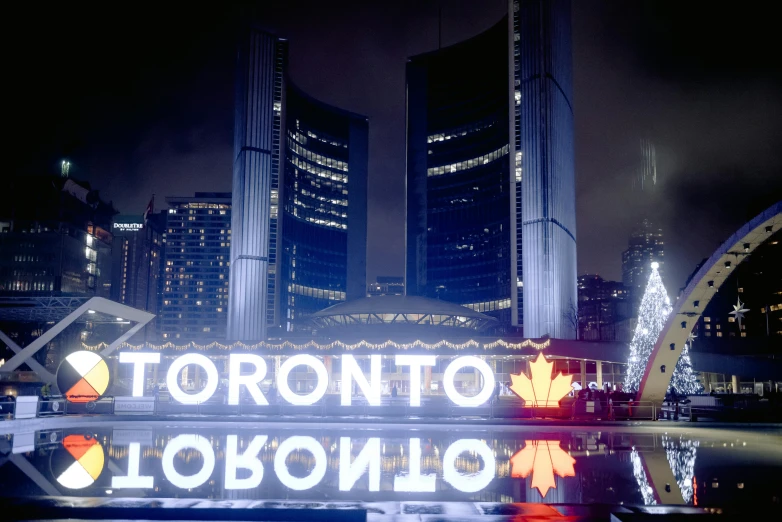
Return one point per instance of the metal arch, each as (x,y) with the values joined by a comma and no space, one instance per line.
(97,304)
(690,305)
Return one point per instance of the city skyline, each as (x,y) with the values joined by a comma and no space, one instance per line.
(642,83)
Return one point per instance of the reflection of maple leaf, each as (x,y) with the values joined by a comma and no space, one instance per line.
(542,458)
(541,390)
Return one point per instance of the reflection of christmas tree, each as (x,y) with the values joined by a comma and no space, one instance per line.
(681,458)
(640,477)
(684,380)
(652,314)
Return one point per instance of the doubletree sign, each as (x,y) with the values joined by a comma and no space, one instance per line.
(127,227)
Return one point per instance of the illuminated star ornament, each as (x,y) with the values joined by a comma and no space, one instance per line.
(542,459)
(691,338)
(739,311)
(541,390)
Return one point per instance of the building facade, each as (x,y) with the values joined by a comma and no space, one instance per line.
(544,146)
(324,208)
(258,119)
(490,190)
(54,238)
(299,198)
(458,204)
(195,267)
(603,308)
(644,246)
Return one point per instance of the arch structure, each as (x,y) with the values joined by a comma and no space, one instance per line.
(95,305)
(691,304)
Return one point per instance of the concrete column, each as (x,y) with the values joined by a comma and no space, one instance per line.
(599,366)
(584,374)
(735,383)
(197,378)
(155,370)
(115,368)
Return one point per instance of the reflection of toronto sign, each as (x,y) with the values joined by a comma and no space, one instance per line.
(246,463)
(248,370)
(244,468)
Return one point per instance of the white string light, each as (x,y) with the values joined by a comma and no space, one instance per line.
(287,345)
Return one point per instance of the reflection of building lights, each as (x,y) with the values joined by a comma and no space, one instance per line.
(542,459)
(541,390)
(474,480)
(248,460)
(182,442)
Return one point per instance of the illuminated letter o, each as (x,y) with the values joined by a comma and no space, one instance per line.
(474,482)
(318,471)
(488,381)
(320,388)
(176,445)
(211,379)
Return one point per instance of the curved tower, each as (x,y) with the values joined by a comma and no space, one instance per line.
(458,202)
(543,90)
(324,207)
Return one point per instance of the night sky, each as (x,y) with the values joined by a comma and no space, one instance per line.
(140,98)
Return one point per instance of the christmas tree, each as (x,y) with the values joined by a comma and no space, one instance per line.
(654,310)
(684,381)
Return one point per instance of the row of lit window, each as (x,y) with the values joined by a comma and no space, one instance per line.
(322,139)
(319,221)
(30,286)
(316,170)
(320,293)
(462,131)
(307,154)
(468,164)
(489,306)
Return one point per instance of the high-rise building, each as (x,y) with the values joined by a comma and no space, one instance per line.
(603,307)
(54,238)
(644,246)
(547,205)
(458,204)
(324,211)
(195,264)
(490,191)
(260,70)
(136,262)
(299,200)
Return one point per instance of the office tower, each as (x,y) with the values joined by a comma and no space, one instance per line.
(195,268)
(458,204)
(546,202)
(490,191)
(260,70)
(324,210)
(136,260)
(300,211)
(54,238)
(644,246)
(603,306)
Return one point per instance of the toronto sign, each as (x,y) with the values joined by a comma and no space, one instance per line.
(247,371)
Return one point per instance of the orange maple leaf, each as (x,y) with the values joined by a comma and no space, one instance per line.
(542,458)
(541,390)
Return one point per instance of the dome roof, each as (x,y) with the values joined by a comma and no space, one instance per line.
(401,310)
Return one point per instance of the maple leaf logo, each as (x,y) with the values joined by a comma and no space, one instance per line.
(542,459)
(541,390)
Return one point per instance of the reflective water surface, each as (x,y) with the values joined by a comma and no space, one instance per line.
(704,467)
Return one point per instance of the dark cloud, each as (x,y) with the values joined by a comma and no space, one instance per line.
(142,103)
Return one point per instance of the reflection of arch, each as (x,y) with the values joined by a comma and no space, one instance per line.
(696,296)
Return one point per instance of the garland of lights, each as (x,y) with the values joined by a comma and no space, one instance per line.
(640,477)
(287,345)
(652,314)
(681,458)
